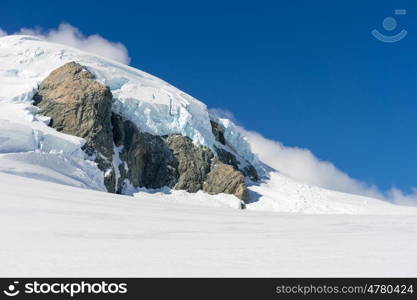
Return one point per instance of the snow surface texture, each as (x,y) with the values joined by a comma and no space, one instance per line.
(52,230)
(28,147)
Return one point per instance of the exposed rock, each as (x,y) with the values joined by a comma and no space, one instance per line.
(227,157)
(198,169)
(107,167)
(230,159)
(225,179)
(80,106)
(218,132)
(250,172)
(150,163)
(193,162)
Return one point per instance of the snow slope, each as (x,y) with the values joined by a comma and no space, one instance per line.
(56,230)
(29,148)
(56,221)
(283,194)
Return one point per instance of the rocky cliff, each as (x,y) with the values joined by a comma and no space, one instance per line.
(79,105)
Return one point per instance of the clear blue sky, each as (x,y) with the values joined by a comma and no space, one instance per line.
(306,73)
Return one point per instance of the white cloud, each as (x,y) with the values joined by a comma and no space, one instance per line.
(399,197)
(2,32)
(71,36)
(302,165)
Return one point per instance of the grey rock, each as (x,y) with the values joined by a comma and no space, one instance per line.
(230,159)
(193,162)
(227,157)
(224,178)
(250,172)
(218,132)
(150,162)
(78,105)
(199,169)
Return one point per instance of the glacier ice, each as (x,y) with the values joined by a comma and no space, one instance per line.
(154,105)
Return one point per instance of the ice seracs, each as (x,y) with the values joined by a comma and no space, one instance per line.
(152,104)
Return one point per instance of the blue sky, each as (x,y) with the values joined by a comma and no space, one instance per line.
(306,73)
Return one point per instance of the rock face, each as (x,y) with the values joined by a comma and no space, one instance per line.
(218,132)
(227,157)
(225,179)
(250,172)
(80,106)
(193,162)
(150,163)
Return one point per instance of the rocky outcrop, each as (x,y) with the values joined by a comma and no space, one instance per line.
(199,169)
(193,162)
(78,105)
(227,157)
(218,132)
(148,159)
(226,179)
(250,172)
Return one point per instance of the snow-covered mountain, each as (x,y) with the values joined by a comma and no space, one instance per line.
(150,104)
(30,147)
(58,218)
